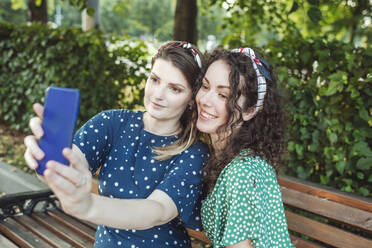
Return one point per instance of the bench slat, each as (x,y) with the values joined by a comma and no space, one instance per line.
(73,224)
(20,235)
(301,243)
(333,210)
(325,233)
(39,230)
(354,201)
(62,231)
(5,242)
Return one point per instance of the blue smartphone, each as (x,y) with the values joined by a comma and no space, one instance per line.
(61,109)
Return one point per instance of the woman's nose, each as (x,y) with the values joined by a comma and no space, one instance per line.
(206,99)
(159,91)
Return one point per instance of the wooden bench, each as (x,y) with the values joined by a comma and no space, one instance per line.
(317,216)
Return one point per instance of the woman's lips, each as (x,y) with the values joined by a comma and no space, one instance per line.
(206,116)
(156,105)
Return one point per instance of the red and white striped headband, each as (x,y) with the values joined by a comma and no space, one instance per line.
(187,46)
(261,87)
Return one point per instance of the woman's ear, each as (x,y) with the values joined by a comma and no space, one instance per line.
(249,114)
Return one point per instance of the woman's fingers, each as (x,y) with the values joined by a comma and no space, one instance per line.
(30,160)
(76,158)
(39,110)
(31,144)
(58,183)
(74,199)
(75,177)
(35,122)
(35,126)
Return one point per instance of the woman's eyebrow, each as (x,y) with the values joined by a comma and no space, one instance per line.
(219,86)
(178,85)
(223,87)
(153,73)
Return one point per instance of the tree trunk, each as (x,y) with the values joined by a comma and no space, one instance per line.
(89,22)
(185,28)
(37,13)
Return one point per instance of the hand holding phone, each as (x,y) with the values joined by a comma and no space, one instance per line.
(61,110)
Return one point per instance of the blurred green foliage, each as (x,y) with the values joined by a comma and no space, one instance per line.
(329,91)
(110,72)
(322,53)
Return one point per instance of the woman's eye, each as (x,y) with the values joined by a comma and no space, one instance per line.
(154,79)
(176,90)
(204,86)
(223,96)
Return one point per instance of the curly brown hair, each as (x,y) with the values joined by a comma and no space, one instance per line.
(263,135)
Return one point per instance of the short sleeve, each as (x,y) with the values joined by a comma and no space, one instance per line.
(241,214)
(183,182)
(96,136)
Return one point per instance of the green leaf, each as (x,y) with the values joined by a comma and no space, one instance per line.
(348,181)
(301,172)
(364,163)
(370,178)
(315,14)
(333,138)
(305,56)
(299,149)
(90,11)
(324,179)
(363,113)
(336,83)
(361,148)
(360,175)
(340,166)
(349,126)
(294,7)
(348,188)
(363,191)
(291,146)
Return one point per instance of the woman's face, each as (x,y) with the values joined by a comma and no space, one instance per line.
(167,92)
(211,98)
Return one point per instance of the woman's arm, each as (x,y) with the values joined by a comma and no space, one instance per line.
(137,214)
(157,209)
(78,201)
(243,244)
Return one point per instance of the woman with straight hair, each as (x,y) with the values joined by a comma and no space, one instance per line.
(149,162)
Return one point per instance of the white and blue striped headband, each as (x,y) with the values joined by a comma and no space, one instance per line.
(261,68)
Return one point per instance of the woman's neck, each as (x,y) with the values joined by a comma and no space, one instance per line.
(160,127)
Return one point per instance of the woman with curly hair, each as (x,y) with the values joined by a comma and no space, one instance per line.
(239,106)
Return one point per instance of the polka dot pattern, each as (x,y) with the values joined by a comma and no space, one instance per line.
(116,141)
(246,203)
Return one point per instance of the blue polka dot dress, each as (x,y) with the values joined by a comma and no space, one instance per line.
(116,141)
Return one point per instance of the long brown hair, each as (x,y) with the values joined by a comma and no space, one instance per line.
(263,135)
(184,60)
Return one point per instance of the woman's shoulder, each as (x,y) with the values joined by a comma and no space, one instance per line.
(249,166)
(118,116)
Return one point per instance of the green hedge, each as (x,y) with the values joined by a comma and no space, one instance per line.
(33,57)
(329,87)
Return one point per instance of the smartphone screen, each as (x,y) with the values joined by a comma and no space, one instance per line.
(61,110)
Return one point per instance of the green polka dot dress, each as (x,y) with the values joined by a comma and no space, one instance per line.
(246,203)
